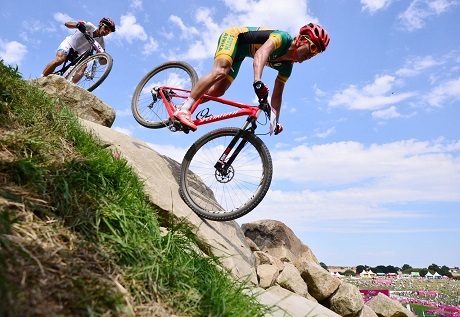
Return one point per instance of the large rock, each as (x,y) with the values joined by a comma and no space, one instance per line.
(291,280)
(384,306)
(267,275)
(367,312)
(222,239)
(82,102)
(347,301)
(289,304)
(276,239)
(321,284)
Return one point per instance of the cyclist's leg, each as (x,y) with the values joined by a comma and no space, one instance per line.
(226,50)
(220,87)
(223,59)
(218,73)
(79,74)
(51,66)
(61,55)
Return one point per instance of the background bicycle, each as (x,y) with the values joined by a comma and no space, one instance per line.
(227,172)
(89,69)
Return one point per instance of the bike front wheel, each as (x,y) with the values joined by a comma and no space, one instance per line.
(147,106)
(92,71)
(219,196)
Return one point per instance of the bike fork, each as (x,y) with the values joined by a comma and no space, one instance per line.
(222,164)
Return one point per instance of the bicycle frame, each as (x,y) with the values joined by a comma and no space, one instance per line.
(65,67)
(95,47)
(244,109)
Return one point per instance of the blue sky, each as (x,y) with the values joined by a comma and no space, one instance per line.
(367,170)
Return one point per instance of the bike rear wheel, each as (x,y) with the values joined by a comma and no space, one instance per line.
(149,110)
(215,196)
(90,73)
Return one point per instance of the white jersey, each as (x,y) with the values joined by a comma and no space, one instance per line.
(78,42)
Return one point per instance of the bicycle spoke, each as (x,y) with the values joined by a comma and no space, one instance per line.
(147,105)
(220,194)
(90,73)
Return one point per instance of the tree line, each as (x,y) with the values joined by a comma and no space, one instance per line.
(405,269)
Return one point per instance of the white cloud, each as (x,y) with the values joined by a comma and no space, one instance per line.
(62,17)
(388,113)
(373,96)
(150,47)
(416,65)
(269,13)
(12,52)
(174,152)
(419,10)
(383,94)
(412,165)
(187,32)
(136,4)
(325,134)
(445,92)
(374,5)
(130,30)
(356,184)
(36,26)
(123,130)
(201,43)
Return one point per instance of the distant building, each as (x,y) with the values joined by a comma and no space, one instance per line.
(368,274)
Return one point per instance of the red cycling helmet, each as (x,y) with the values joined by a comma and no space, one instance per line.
(109,22)
(317,34)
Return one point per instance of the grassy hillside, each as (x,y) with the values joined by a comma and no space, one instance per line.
(78,236)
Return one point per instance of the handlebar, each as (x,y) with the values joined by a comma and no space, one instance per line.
(268,110)
(96,46)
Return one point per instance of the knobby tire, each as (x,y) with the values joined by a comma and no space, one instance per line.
(102,71)
(152,113)
(214,197)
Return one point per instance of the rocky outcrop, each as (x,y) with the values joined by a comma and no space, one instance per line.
(277,243)
(285,272)
(85,104)
(384,306)
(321,283)
(276,239)
(160,175)
(347,301)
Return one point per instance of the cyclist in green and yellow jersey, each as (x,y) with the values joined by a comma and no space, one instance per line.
(268,47)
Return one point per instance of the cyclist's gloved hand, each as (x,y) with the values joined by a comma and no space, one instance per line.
(261,90)
(278,129)
(81,26)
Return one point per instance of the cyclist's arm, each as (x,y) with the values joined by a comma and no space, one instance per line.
(71,25)
(261,58)
(277,97)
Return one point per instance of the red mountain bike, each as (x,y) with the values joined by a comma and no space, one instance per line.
(227,172)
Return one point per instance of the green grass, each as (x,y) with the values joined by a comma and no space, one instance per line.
(420,310)
(78,235)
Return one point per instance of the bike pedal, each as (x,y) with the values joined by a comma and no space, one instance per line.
(176,126)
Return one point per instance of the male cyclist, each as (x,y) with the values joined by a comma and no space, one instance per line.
(77,43)
(273,48)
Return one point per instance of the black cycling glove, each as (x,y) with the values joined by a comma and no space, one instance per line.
(261,90)
(81,26)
